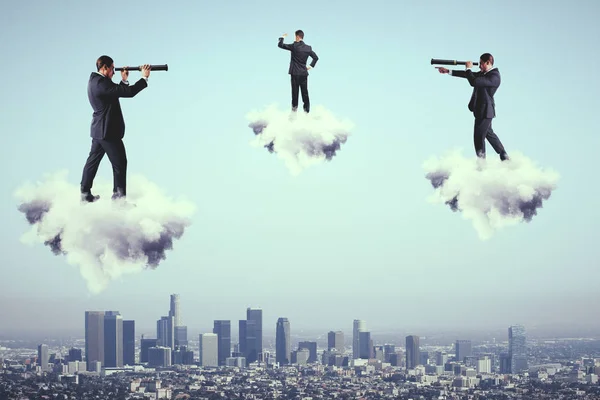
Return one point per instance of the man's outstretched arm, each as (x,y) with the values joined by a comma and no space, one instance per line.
(282,45)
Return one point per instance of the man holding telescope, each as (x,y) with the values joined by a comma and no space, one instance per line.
(108,126)
(485,82)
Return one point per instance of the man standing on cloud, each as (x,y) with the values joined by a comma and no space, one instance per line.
(108,126)
(298,69)
(484,83)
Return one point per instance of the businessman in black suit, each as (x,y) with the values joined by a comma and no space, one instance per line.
(485,83)
(298,69)
(108,126)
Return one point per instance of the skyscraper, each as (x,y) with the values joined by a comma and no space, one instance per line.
(222,328)
(413,352)
(359,326)
(463,349)
(254,346)
(94,337)
(113,339)
(128,342)
(365,345)
(208,350)
(283,345)
(174,310)
(42,360)
(312,350)
(242,337)
(165,332)
(335,340)
(517,349)
(181,336)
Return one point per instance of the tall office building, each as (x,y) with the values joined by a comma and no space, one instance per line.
(128,342)
(42,360)
(517,349)
(254,340)
(113,339)
(75,354)
(283,345)
(94,338)
(222,328)
(335,340)
(174,310)
(463,349)
(181,336)
(365,345)
(165,332)
(441,358)
(359,326)
(413,352)
(208,350)
(242,338)
(145,345)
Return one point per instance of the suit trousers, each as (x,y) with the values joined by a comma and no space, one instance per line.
(482,131)
(300,82)
(115,149)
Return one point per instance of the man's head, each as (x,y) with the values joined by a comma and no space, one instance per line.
(486,62)
(299,35)
(106,66)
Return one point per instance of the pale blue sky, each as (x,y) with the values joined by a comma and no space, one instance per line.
(354,238)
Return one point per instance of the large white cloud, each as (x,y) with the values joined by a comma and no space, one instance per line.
(105,239)
(491,193)
(300,139)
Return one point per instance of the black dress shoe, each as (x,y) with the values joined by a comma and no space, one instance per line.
(89,197)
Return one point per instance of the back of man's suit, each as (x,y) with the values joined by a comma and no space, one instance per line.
(300,53)
(484,85)
(103,93)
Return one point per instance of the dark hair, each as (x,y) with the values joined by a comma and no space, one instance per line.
(103,61)
(300,34)
(485,57)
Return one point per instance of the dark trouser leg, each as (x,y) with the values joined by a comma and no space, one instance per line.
(115,150)
(295,87)
(91,166)
(303,81)
(496,143)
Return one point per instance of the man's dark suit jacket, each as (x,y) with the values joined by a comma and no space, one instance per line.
(299,57)
(103,93)
(484,86)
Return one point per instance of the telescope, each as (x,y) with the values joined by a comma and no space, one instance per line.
(163,67)
(449,62)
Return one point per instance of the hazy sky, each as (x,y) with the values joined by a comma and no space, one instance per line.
(354,238)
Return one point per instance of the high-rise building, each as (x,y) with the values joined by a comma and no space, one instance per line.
(208,350)
(517,349)
(242,338)
(413,351)
(145,345)
(254,346)
(358,326)
(165,332)
(365,344)
(312,350)
(463,349)
(335,340)
(43,357)
(128,342)
(113,339)
(174,310)
(181,336)
(222,328)
(441,358)
(159,356)
(283,345)
(75,354)
(94,338)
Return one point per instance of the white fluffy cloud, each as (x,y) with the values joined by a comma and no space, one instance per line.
(300,139)
(105,239)
(490,193)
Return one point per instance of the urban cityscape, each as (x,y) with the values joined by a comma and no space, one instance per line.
(112,362)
